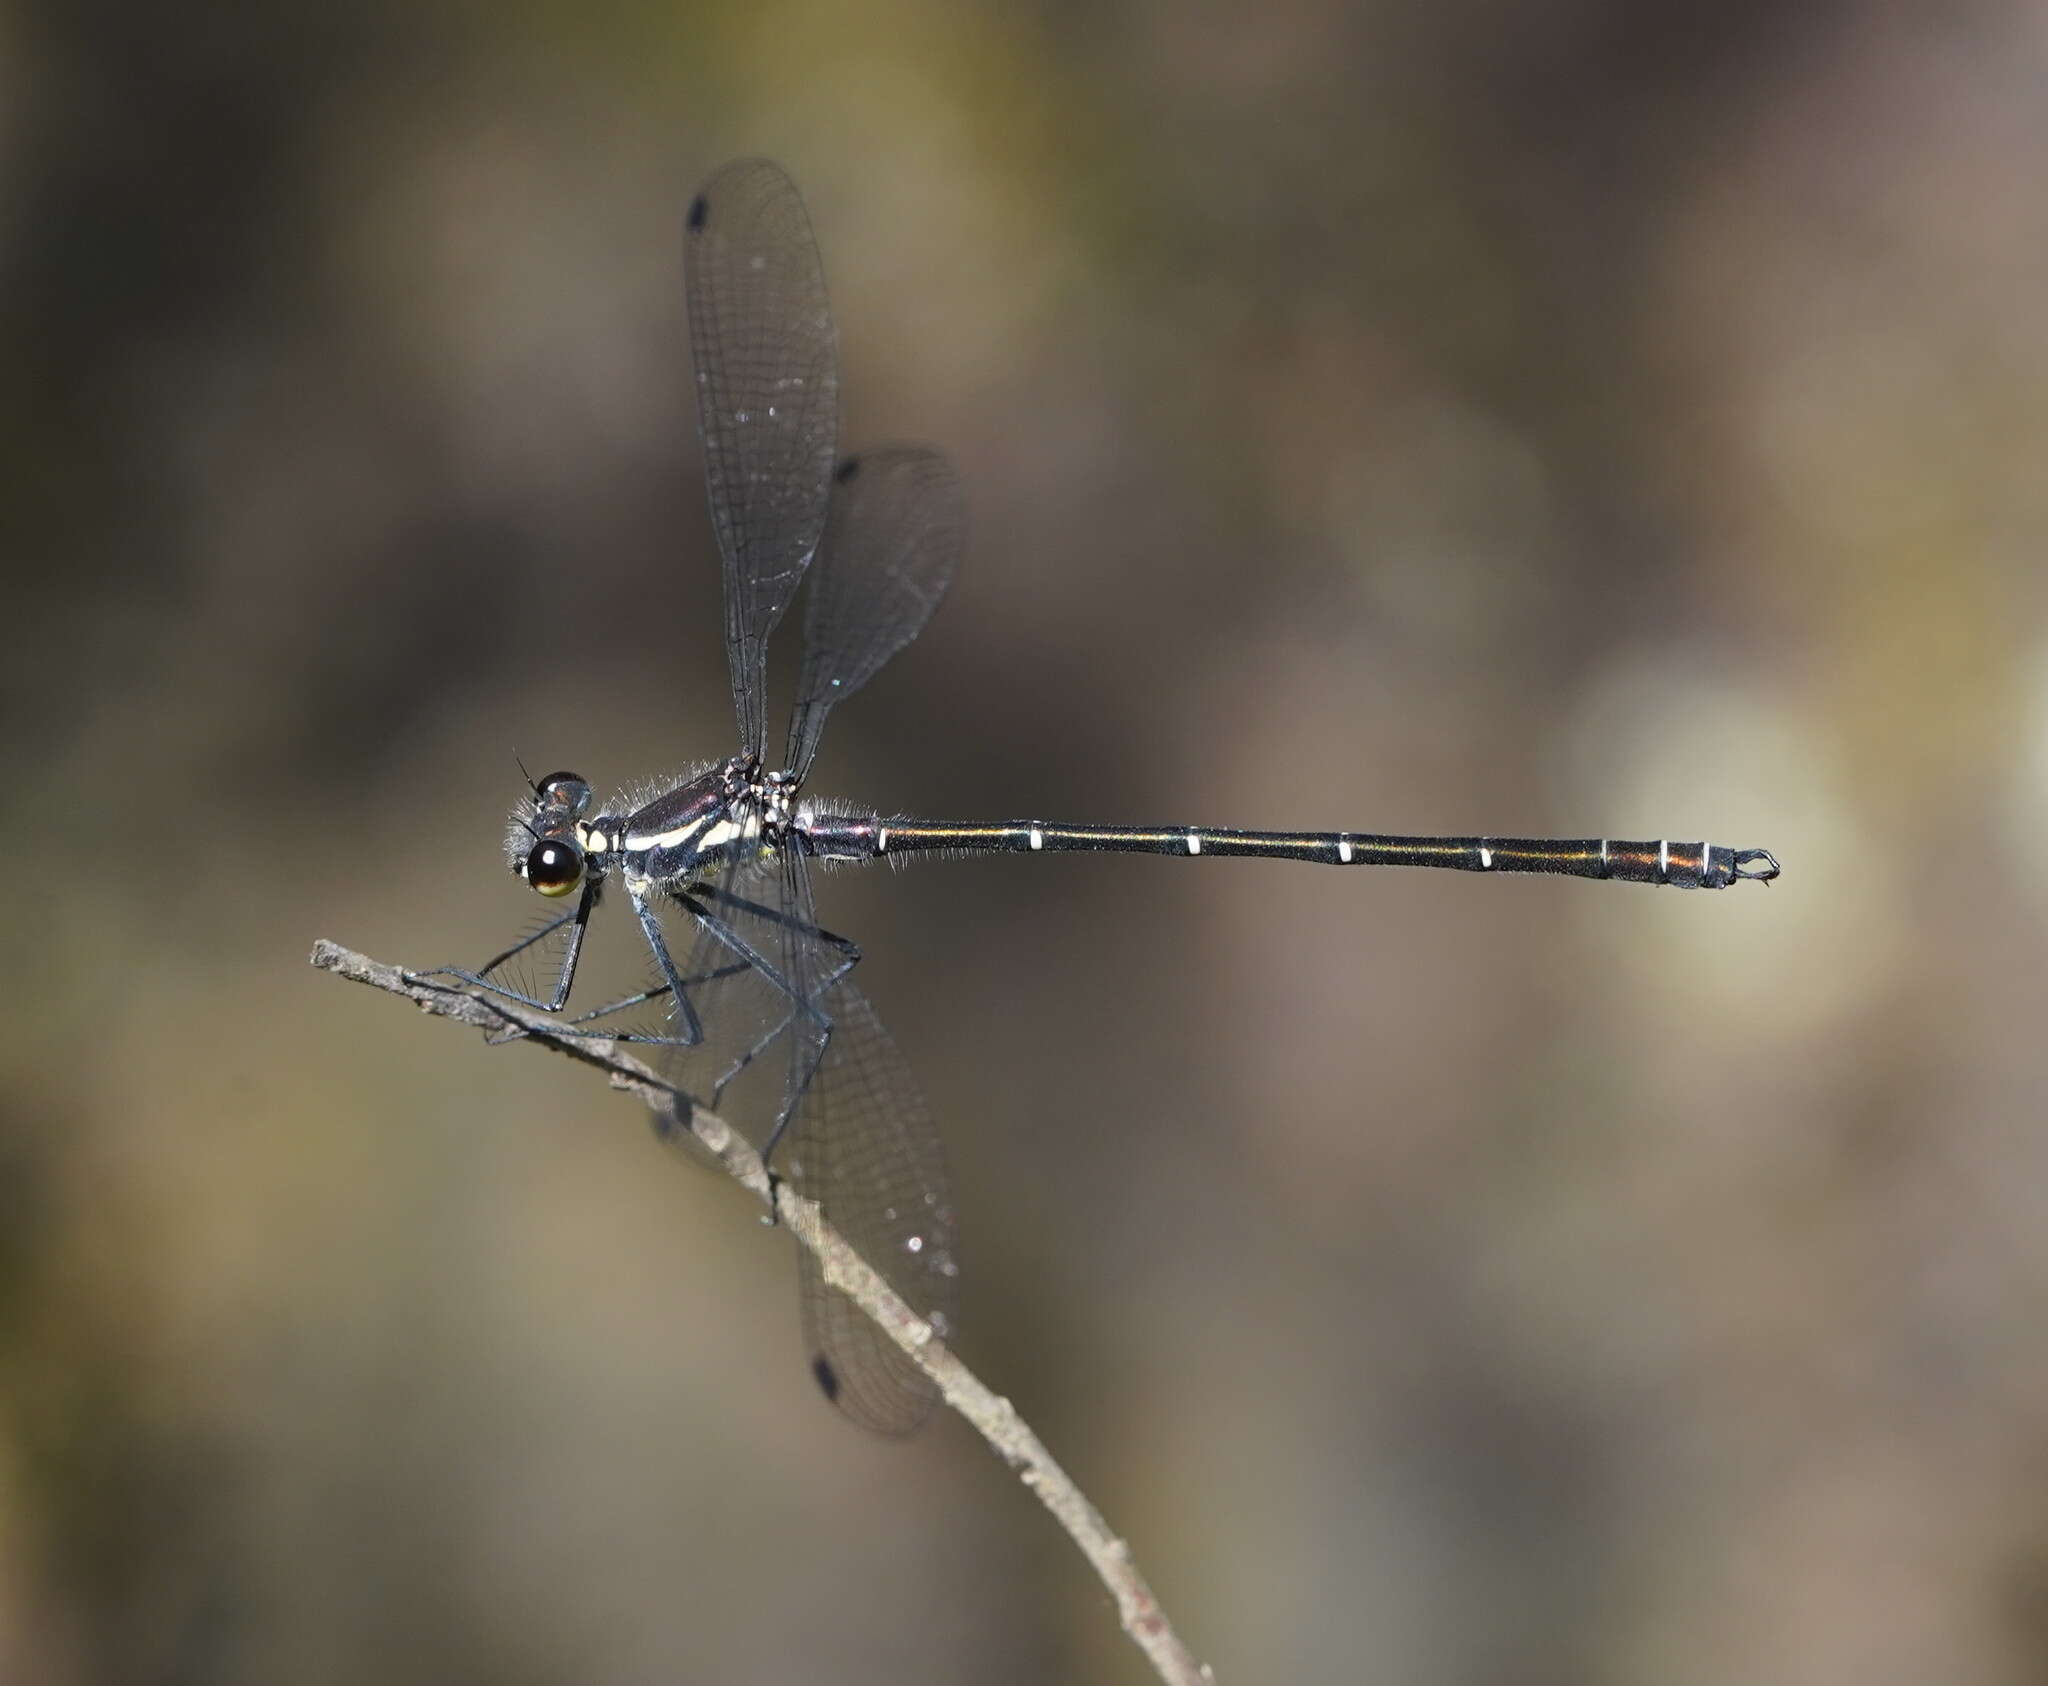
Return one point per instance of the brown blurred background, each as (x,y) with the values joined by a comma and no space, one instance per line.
(1473,417)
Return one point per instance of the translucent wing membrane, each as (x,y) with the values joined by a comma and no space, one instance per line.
(897,529)
(789,1052)
(767,403)
(864,1147)
(766,1025)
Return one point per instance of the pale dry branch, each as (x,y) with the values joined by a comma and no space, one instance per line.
(992,1416)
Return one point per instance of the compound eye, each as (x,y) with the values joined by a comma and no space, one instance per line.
(563,790)
(555,867)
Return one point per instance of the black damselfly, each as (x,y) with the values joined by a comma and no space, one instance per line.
(747,987)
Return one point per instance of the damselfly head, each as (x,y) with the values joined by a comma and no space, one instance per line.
(543,843)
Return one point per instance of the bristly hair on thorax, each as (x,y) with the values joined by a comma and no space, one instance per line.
(520,832)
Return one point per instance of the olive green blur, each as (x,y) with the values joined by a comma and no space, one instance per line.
(1479,419)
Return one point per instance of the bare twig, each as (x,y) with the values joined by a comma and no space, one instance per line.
(995,1418)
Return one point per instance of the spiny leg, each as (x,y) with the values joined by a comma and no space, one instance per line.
(849,953)
(689,1034)
(672,978)
(579,920)
(724,933)
(677,987)
(810,1043)
(659,990)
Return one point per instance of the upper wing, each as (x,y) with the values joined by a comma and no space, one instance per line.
(897,530)
(767,403)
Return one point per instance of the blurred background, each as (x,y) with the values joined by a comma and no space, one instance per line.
(1579,419)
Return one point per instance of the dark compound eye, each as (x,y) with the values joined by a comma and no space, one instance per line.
(563,790)
(555,867)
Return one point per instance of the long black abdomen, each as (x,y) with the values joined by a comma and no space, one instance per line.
(1686,866)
